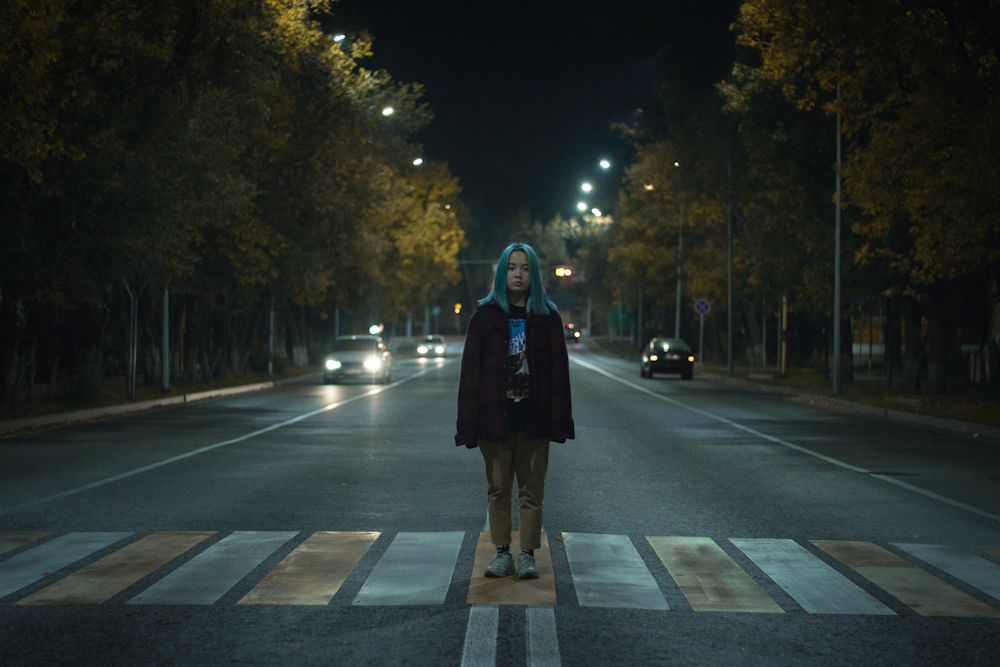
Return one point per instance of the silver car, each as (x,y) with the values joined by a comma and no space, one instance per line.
(362,358)
(432,346)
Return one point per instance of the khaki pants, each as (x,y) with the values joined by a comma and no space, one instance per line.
(528,458)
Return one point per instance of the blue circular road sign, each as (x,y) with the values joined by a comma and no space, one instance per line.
(702,307)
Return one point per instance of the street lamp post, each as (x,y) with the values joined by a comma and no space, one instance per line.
(836,269)
(680,243)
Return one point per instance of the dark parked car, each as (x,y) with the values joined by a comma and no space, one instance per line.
(667,355)
(363,358)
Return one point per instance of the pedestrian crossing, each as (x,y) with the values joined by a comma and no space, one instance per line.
(735,575)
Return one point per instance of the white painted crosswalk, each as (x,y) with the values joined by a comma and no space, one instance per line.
(421,568)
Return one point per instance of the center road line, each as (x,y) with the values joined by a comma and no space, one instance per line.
(543,643)
(208,448)
(480,648)
(785,443)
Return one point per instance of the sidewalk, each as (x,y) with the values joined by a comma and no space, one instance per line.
(878,404)
(953,425)
(138,406)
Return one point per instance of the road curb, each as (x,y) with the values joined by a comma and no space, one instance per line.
(127,408)
(942,423)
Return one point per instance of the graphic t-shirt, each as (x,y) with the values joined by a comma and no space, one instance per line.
(517,369)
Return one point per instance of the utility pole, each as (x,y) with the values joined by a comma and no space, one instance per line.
(836,269)
(680,243)
(729,265)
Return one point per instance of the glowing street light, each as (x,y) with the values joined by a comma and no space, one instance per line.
(605,164)
(582,206)
(586,187)
(596,212)
(677,164)
(339,38)
(388,111)
(419,161)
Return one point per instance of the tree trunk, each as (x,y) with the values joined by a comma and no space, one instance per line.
(912,339)
(937,343)
(31,365)
(9,339)
(893,341)
(846,350)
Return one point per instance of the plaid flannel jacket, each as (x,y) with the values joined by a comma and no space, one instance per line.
(482,387)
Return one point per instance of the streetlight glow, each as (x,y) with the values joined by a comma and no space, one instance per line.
(339,38)
(677,164)
(419,161)
(596,212)
(582,206)
(388,111)
(586,187)
(605,164)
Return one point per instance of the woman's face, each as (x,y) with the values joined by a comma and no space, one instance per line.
(518,278)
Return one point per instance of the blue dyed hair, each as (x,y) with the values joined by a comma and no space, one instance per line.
(539,302)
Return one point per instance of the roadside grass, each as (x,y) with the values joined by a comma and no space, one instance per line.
(979,404)
(112,391)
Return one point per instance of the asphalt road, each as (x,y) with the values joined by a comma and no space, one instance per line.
(688,524)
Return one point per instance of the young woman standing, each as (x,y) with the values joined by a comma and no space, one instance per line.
(513,399)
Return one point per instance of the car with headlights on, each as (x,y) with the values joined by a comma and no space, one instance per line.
(432,346)
(572,332)
(362,357)
(667,355)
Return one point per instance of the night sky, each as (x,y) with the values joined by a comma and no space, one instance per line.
(524,92)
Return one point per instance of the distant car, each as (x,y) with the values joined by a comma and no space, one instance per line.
(667,355)
(432,346)
(362,358)
(572,332)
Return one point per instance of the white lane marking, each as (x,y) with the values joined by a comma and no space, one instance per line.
(209,575)
(417,568)
(480,648)
(959,563)
(224,443)
(816,586)
(29,566)
(543,644)
(609,572)
(785,443)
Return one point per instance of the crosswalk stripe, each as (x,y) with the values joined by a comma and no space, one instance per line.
(415,569)
(100,581)
(543,643)
(961,564)
(209,575)
(11,541)
(816,586)
(709,578)
(480,649)
(29,566)
(511,590)
(608,572)
(314,572)
(919,590)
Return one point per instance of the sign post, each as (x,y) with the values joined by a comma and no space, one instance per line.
(703,308)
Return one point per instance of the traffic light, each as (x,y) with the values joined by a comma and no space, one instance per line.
(564,271)
(458,308)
